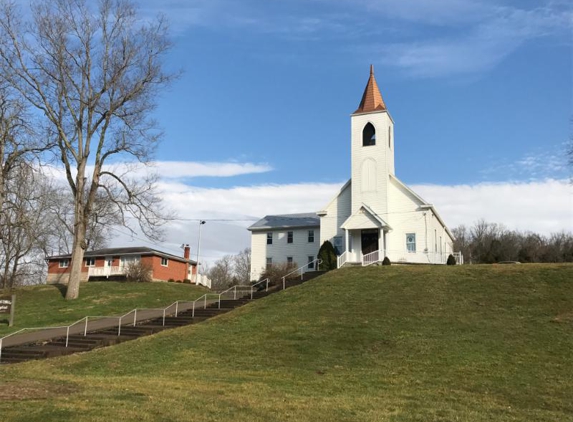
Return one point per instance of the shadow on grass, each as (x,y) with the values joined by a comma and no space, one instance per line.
(62,288)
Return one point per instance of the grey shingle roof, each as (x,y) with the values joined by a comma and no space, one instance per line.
(309,219)
(134,250)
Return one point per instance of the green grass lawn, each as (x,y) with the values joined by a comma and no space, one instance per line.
(399,343)
(42,306)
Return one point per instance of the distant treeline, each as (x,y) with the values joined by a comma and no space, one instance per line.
(488,243)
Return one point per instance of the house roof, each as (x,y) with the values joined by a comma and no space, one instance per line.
(284,221)
(371,99)
(134,250)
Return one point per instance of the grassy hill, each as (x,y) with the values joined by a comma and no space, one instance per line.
(416,343)
(42,306)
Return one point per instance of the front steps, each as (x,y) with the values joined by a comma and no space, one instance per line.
(110,337)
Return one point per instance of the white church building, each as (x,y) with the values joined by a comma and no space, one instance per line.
(373,216)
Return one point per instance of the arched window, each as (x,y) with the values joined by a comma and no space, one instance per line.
(389,136)
(368,135)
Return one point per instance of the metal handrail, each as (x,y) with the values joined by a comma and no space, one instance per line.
(318,261)
(120,318)
(266,280)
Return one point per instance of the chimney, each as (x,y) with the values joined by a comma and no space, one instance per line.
(187,252)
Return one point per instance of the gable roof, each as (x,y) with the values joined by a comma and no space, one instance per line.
(133,250)
(424,205)
(364,218)
(371,99)
(284,221)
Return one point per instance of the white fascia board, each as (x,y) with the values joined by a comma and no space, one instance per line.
(323,212)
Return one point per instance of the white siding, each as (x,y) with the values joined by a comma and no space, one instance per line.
(369,188)
(299,250)
(336,213)
(405,216)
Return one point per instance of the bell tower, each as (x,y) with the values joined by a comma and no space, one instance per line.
(372,150)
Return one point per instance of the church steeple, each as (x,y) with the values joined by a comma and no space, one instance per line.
(371,99)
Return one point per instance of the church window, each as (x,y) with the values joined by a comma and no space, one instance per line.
(368,135)
(269,238)
(411,242)
(337,243)
(389,136)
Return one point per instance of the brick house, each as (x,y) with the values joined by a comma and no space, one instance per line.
(112,262)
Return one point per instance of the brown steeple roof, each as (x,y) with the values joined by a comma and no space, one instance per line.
(371,99)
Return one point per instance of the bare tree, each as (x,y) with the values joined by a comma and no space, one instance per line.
(242,266)
(100,227)
(17,141)
(94,76)
(26,230)
(488,243)
(221,273)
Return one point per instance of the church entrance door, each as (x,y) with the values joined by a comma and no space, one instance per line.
(369,241)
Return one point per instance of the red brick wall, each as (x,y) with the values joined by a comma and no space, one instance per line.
(175,269)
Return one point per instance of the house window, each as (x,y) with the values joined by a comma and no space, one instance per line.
(164,262)
(64,263)
(310,262)
(337,243)
(290,237)
(90,262)
(269,238)
(411,242)
(368,135)
(311,236)
(289,260)
(269,262)
(124,261)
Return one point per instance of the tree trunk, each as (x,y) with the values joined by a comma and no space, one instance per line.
(73,290)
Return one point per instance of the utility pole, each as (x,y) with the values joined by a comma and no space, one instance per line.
(201,222)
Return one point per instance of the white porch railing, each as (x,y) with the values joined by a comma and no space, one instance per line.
(342,259)
(106,271)
(370,258)
(399,256)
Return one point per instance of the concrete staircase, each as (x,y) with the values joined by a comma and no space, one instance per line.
(112,336)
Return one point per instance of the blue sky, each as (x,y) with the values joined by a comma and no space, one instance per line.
(259,123)
(479,90)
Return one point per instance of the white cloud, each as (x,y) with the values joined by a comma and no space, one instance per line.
(540,164)
(186,169)
(481,47)
(543,207)
(173,169)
